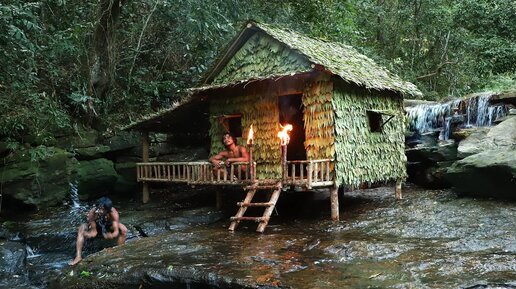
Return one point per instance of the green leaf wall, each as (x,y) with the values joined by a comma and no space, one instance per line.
(363,156)
(261,56)
(259,108)
(318,118)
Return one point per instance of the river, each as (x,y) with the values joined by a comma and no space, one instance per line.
(430,239)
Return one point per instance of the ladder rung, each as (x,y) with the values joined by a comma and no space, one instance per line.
(242,204)
(261,187)
(256,219)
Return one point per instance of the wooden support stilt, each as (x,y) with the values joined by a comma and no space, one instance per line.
(145,193)
(398,190)
(145,159)
(334,196)
(218,196)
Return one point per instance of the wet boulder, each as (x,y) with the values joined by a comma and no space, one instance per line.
(487,174)
(442,151)
(12,259)
(500,136)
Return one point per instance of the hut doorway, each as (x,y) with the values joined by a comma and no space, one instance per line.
(291,111)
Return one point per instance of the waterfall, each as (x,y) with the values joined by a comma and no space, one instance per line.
(74,196)
(475,110)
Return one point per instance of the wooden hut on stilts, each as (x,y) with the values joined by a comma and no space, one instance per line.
(346,114)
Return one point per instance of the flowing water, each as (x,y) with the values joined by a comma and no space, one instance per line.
(430,239)
(470,112)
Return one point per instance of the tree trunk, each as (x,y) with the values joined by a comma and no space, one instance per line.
(103,68)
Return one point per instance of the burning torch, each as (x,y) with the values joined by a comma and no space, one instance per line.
(250,137)
(284,138)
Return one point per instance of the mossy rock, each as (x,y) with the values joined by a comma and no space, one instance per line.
(90,153)
(95,178)
(123,140)
(81,140)
(126,170)
(40,183)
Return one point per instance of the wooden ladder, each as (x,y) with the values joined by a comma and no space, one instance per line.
(269,206)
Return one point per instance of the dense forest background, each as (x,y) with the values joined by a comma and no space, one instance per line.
(70,63)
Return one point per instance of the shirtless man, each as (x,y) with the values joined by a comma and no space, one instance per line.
(103,219)
(232,153)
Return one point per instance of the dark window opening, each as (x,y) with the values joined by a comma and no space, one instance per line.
(233,124)
(291,111)
(375,121)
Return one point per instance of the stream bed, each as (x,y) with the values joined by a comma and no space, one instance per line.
(430,239)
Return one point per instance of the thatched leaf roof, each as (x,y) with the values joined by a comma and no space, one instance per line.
(340,59)
(337,58)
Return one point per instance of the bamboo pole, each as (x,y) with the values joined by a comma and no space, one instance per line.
(145,159)
(334,196)
(398,190)
(284,163)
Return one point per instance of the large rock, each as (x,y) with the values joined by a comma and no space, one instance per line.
(95,178)
(488,174)
(90,153)
(443,151)
(123,141)
(82,139)
(12,260)
(42,181)
(506,97)
(501,136)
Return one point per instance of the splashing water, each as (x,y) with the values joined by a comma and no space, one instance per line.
(476,110)
(74,196)
(31,253)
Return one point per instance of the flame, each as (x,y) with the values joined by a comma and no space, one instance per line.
(283,134)
(250,136)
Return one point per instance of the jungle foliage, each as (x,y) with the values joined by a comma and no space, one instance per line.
(67,63)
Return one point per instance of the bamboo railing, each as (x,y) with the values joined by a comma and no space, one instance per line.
(310,173)
(193,173)
(306,173)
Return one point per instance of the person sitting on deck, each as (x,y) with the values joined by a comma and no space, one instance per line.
(102,220)
(232,153)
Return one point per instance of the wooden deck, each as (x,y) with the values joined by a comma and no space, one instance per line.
(306,174)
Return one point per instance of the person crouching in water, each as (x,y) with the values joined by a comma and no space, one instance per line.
(101,219)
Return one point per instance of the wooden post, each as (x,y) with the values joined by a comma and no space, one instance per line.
(145,159)
(334,197)
(284,168)
(219,200)
(251,162)
(398,190)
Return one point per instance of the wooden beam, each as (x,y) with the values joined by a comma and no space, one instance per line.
(145,159)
